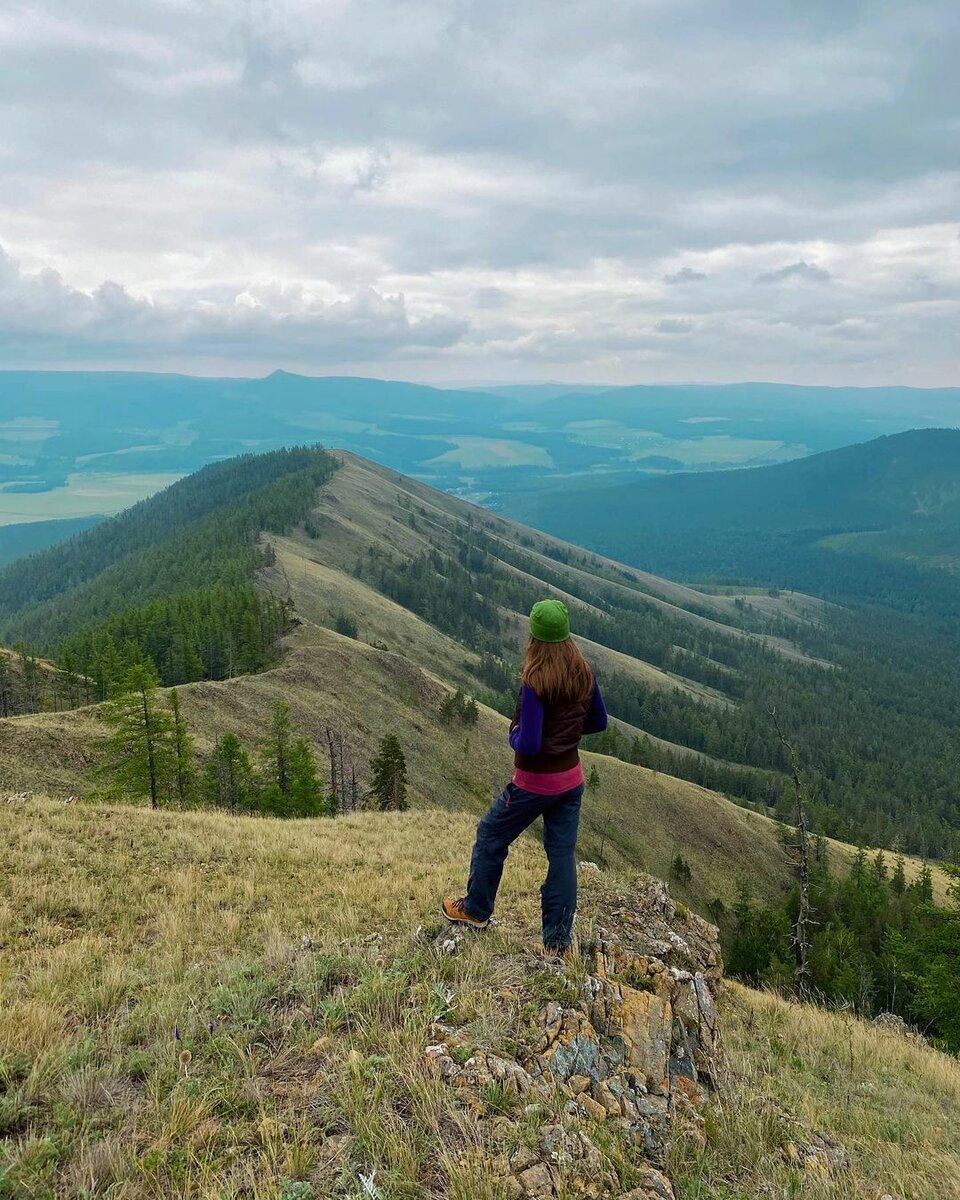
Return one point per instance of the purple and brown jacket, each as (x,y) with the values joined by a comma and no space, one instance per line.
(545,738)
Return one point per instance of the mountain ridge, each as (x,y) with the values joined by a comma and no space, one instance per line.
(364,520)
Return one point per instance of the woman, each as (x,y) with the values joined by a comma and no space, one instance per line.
(559,702)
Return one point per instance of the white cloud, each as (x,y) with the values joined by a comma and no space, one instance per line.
(483,188)
(40,313)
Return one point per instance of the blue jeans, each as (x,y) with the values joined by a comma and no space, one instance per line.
(509,815)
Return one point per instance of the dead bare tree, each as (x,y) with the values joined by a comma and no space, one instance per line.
(334,769)
(344,787)
(801,927)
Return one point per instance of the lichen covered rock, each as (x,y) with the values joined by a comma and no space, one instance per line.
(637,1051)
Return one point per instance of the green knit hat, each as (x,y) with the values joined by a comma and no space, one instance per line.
(549,621)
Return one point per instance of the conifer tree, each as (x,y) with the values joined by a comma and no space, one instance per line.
(858,868)
(69,680)
(924,884)
(389,770)
(184,769)
(593,780)
(306,798)
(276,749)
(228,777)
(140,749)
(7,701)
(680,869)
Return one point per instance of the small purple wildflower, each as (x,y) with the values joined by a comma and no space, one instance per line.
(176,1034)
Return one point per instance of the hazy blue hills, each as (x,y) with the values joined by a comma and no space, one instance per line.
(77,443)
(17,541)
(903,477)
(877,521)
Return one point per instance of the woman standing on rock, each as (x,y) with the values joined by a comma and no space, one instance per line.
(559,702)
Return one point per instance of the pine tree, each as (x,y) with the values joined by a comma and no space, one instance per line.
(680,869)
(7,701)
(924,884)
(306,798)
(140,749)
(70,681)
(277,756)
(389,770)
(184,769)
(228,777)
(802,925)
(346,625)
(898,881)
(593,780)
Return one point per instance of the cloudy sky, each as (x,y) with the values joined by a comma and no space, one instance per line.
(478,190)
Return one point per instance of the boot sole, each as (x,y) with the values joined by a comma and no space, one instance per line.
(460,921)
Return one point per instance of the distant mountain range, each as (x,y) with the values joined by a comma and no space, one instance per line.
(78,443)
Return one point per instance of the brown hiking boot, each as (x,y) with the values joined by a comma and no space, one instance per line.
(557,954)
(456,912)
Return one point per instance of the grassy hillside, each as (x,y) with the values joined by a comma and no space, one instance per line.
(691,667)
(205,1005)
(658,646)
(638,817)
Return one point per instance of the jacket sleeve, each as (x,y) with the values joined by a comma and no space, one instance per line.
(596,721)
(527,735)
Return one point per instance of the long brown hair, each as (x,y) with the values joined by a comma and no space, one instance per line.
(556,670)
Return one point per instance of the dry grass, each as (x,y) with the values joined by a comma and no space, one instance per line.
(165,1029)
(638,817)
(893,1104)
(204,1006)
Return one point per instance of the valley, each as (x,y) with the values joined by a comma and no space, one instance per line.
(82,444)
(361,551)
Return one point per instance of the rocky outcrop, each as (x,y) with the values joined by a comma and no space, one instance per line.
(637,1049)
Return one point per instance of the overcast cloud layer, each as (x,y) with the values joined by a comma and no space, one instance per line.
(619,190)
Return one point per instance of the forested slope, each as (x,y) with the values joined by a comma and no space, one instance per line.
(877,522)
(876,718)
(169,579)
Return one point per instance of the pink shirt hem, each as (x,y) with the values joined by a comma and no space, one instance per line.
(543,783)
